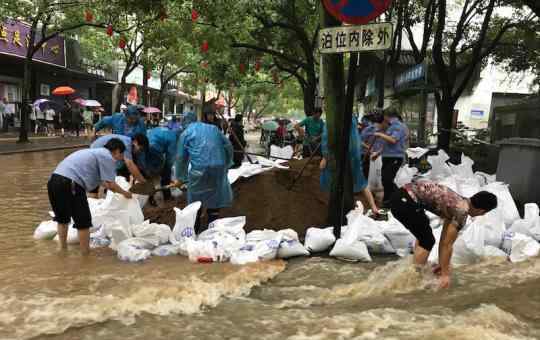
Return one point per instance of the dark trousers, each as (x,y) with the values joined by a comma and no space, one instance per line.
(166,175)
(390,167)
(213,214)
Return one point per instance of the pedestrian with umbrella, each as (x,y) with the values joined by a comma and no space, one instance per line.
(64,119)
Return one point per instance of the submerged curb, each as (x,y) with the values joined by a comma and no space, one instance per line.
(51,148)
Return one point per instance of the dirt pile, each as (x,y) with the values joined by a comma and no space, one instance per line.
(267,202)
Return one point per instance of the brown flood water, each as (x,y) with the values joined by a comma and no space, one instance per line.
(48,295)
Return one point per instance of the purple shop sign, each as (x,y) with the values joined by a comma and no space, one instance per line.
(14,40)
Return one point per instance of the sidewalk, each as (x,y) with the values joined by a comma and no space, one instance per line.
(9,145)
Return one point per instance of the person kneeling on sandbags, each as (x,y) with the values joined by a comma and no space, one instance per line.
(76,175)
(408,205)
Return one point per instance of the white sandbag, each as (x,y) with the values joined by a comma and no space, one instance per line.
(258,251)
(290,246)
(353,214)
(46,230)
(356,251)
(226,243)
(118,234)
(232,225)
(115,203)
(493,224)
(469,246)
(400,237)
(99,239)
(490,251)
(374,175)
(523,247)
(204,251)
(318,239)
(72,236)
(433,257)
(260,235)
(467,187)
(134,250)
(141,199)
(484,179)
(439,168)
(405,175)
(369,232)
(165,250)
(185,223)
(286,152)
(147,229)
(415,153)
(504,202)
(530,224)
(464,169)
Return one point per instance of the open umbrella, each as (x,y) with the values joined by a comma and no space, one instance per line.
(91,103)
(151,109)
(79,101)
(63,91)
(40,102)
(270,125)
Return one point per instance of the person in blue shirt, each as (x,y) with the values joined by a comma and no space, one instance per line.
(148,159)
(372,145)
(355,158)
(164,141)
(395,139)
(77,174)
(127,166)
(203,161)
(128,124)
(174,124)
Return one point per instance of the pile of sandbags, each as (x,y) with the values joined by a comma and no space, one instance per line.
(500,232)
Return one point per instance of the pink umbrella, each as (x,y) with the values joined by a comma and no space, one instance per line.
(79,101)
(151,109)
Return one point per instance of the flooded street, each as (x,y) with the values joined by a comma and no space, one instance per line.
(48,295)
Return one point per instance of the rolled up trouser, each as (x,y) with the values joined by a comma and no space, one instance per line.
(413,217)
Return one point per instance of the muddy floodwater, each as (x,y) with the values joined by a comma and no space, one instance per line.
(48,295)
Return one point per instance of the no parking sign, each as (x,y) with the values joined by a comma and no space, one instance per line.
(356,12)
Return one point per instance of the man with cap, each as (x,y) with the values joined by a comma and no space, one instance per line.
(126,124)
(203,161)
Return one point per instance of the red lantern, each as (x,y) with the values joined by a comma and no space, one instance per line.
(257,65)
(242,68)
(122,43)
(88,16)
(204,46)
(148,75)
(194,15)
(109,30)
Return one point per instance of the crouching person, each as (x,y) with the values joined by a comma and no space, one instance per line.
(76,175)
(409,204)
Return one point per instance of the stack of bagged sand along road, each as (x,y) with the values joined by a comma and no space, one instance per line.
(268,216)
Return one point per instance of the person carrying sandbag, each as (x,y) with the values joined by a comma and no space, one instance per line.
(409,204)
(76,175)
(203,160)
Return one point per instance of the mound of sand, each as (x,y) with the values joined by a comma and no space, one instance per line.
(267,202)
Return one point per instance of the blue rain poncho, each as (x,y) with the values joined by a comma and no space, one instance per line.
(164,141)
(203,161)
(149,162)
(355,156)
(119,125)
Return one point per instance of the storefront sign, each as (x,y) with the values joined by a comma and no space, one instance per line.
(343,39)
(414,73)
(15,38)
(477,114)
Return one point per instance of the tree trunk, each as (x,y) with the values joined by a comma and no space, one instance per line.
(145,86)
(161,97)
(120,93)
(309,97)
(334,105)
(445,111)
(25,108)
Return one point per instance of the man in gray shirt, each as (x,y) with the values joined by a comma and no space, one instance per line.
(76,175)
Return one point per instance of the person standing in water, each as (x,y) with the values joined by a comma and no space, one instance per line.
(409,204)
(76,175)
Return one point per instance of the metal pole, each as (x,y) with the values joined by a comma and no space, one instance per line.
(343,160)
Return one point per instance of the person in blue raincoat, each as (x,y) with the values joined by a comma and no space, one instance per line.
(203,161)
(355,157)
(126,124)
(164,141)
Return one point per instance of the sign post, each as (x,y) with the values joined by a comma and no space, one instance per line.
(352,39)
